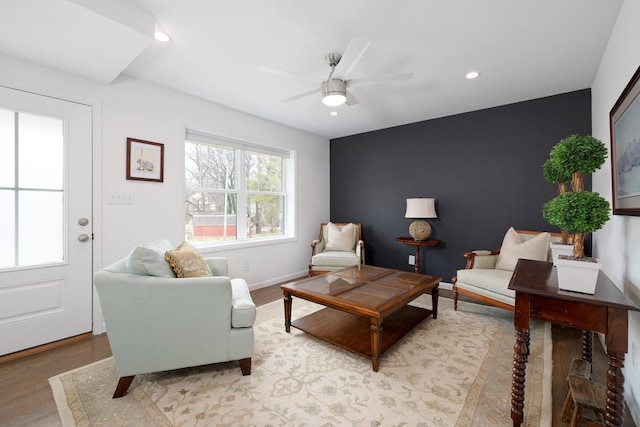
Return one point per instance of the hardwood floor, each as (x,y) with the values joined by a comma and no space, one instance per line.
(26,398)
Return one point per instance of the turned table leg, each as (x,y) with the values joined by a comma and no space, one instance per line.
(376,342)
(435,292)
(615,389)
(520,350)
(287,311)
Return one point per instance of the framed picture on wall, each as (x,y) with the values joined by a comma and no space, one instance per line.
(624,122)
(145,160)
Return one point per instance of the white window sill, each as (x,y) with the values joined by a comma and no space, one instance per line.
(221,247)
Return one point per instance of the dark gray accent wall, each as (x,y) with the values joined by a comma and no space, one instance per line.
(484,168)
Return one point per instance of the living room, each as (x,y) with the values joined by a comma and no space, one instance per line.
(483,167)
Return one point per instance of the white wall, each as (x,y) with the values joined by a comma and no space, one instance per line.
(618,243)
(132,108)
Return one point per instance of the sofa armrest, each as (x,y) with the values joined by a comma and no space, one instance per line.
(317,247)
(481,259)
(360,250)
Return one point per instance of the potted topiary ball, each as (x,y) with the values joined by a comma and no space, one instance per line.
(555,174)
(577,212)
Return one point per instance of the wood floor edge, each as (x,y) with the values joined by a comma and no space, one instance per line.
(39,349)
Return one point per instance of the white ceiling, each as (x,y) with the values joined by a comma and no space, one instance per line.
(523,50)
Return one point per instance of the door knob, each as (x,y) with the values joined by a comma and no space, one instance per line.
(83,221)
(83,237)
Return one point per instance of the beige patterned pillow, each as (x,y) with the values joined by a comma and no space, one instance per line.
(186,261)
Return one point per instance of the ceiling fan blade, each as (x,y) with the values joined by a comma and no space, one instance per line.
(288,74)
(302,95)
(379,79)
(351,100)
(350,57)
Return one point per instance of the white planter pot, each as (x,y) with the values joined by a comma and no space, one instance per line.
(560,249)
(578,276)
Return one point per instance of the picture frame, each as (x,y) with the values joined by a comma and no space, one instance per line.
(624,124)
(145,160)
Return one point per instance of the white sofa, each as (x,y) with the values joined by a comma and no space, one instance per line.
(487,274)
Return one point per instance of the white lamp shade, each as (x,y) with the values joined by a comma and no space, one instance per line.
(421,207)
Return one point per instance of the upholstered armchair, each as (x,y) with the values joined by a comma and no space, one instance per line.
(157,322)
(487,274)
(338,245)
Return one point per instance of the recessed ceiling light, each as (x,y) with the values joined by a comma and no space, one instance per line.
(333,113)
(472,75)
(161,36)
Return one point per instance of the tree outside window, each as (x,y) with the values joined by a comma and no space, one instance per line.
(221,181)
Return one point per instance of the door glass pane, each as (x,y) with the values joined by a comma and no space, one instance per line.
(7,220)
(41,150)
(41,227)
(7,148)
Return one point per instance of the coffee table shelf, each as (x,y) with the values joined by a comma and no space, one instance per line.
(353,333)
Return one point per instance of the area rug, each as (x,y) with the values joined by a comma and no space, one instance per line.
(451,371)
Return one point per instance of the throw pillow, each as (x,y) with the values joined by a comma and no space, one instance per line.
(341,238)
(186,261)
(148,260)
(515,247)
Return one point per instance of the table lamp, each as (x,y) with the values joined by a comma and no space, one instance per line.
(420,208)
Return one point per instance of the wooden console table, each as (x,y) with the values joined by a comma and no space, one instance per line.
(538,296)
(417,243)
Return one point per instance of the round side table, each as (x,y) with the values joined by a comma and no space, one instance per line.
(417,243)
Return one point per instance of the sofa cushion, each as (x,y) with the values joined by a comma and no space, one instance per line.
(515,247)
(341,238)
(186,261)
(491,279)
(335,259)
(148,260)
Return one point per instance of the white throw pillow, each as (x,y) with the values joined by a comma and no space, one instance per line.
(514,247)
(341,238)
(148,260)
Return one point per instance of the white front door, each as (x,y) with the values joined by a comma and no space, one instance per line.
(45,219)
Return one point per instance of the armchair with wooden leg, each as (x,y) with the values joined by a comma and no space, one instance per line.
(338,245)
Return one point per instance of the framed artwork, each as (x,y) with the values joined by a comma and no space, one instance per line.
(145,160)
(624,122)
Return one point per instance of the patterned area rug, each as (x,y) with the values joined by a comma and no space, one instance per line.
(452,371)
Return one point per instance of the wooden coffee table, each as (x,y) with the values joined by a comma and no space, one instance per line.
(358,300)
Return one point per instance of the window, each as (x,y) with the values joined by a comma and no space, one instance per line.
(236,191)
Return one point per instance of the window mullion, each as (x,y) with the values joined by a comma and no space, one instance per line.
(241,214)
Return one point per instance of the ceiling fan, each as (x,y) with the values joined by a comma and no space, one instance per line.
(334,88)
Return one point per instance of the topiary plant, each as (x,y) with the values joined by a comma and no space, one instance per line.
(578,212)
(578,156)
(555,174)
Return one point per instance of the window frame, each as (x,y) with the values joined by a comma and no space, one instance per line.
(240,146)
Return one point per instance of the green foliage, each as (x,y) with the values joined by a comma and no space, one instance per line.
(584,154)
(579,212)
(555,174)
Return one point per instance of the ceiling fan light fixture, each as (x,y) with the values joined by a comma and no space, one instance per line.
(334,92)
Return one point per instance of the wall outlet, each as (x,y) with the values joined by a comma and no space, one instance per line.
(634,355)
(247,266)
(412,260)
